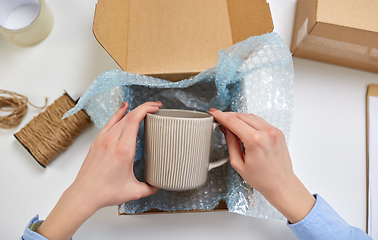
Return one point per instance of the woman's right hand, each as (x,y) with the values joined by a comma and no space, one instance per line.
(265,163)
(106,176)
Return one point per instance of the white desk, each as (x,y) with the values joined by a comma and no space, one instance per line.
(327,143)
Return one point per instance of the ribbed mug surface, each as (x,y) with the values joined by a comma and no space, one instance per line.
(177,148)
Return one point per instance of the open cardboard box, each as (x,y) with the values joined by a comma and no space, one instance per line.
(176,39)
(342,32)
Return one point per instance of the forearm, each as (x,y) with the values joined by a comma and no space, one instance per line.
(292,199)
(68,215)
(106,177)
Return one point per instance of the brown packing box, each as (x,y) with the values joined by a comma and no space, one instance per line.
(342,32)
(175,39)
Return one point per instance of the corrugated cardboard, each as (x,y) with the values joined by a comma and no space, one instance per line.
(175,39)
(342,32)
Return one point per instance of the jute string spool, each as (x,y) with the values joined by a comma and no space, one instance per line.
(17,106)
(48,135)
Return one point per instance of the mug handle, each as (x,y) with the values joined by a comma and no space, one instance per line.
(219,162)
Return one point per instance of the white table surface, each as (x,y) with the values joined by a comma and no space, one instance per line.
(327,143)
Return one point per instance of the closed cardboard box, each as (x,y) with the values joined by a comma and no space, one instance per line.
(342,32)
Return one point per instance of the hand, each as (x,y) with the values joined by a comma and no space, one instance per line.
(106,177)
(266,163)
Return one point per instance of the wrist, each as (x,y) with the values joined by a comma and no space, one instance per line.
(292,199)
(71,211)
(79,202)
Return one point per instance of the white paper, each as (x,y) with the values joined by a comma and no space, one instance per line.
(373,168)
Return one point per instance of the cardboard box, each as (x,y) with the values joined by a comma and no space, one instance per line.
(342,32)
(175,39)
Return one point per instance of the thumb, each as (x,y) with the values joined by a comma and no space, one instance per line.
(145,189)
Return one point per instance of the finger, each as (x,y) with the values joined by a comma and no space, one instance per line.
(130,123)
(252,120)
(240,128)
(234,149)
(145,190)
(118,115)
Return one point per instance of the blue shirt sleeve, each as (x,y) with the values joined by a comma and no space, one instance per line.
(323,222)
(30,234)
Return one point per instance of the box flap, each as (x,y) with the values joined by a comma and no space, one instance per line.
(249,18)
(110,28)
(173,38)
(170,36)
(349,13)
(349,21)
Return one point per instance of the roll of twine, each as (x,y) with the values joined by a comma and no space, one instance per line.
(17,106)
(48,135)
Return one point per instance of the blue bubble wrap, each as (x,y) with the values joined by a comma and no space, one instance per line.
(253,76)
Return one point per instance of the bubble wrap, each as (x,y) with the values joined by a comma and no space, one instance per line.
(253,76)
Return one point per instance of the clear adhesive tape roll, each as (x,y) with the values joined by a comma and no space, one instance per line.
(25,22)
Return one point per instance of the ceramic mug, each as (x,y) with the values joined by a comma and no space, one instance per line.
(177,149)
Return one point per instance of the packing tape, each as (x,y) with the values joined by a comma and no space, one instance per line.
(25,22)
(335,48)
(341,49)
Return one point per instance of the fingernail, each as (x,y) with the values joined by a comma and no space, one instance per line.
(158,102)
(212,109)
(123,105)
